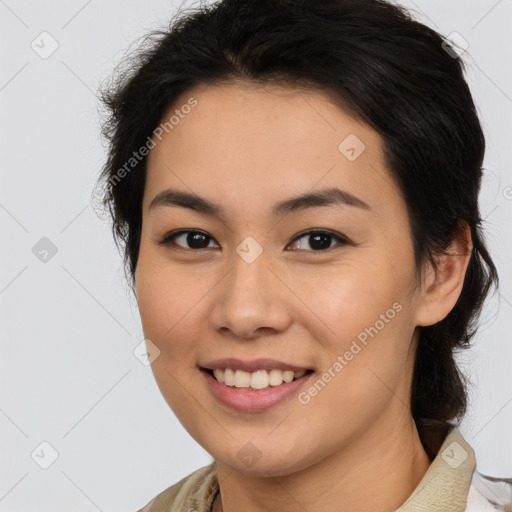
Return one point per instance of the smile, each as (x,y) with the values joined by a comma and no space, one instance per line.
(260,379)
(253,386)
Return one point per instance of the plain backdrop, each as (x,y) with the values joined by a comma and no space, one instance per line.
(73,396)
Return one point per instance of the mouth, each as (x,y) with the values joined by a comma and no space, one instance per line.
(254,386)
(258,380)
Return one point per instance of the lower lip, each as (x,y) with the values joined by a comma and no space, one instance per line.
(250,400)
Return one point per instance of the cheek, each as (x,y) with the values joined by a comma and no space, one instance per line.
(158,298)
(362,307)
(155,302)
(352,295)
(170,298)
(364,354)
(166,302)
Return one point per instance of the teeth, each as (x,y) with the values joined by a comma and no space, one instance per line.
(219,374)
(229,377)
(260,379)
(288,376)
(276,377)
(242,379)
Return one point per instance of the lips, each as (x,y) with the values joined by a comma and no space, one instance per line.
(252,400)
(256,385)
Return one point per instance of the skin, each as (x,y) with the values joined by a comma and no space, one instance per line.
(247,147)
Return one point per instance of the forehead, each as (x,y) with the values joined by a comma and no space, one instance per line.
(272,141)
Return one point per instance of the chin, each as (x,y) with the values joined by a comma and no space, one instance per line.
(261,458)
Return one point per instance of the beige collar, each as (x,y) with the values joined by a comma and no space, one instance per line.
(445,485)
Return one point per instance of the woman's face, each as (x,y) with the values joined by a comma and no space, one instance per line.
(255,288)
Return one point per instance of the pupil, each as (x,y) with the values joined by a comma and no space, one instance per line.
(197,240)
(320,236)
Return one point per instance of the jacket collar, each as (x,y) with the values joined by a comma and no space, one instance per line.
(445,485)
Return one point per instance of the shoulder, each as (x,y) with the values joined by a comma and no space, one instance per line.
(489,494)
(195,491)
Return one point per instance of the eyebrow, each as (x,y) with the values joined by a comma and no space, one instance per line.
(325,197)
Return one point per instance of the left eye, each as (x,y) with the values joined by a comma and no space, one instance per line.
(318,240)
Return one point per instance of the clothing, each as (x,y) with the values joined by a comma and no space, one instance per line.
(451,484)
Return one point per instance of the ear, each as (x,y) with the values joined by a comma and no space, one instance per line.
(441,287)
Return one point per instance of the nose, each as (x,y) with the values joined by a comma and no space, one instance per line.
(251,300)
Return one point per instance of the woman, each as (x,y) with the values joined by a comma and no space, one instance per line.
(319,376)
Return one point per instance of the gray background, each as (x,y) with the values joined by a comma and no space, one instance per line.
(69,326)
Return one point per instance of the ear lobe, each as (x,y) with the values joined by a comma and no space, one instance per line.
(441,287)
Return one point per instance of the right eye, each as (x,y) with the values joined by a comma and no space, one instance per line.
(194,238)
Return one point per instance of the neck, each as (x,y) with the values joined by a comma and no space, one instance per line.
(377,472)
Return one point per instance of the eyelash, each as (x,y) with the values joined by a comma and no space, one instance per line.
(169,237)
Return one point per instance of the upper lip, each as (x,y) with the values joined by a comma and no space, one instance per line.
(252,366)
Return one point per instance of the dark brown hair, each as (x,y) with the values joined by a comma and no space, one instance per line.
(394,73)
